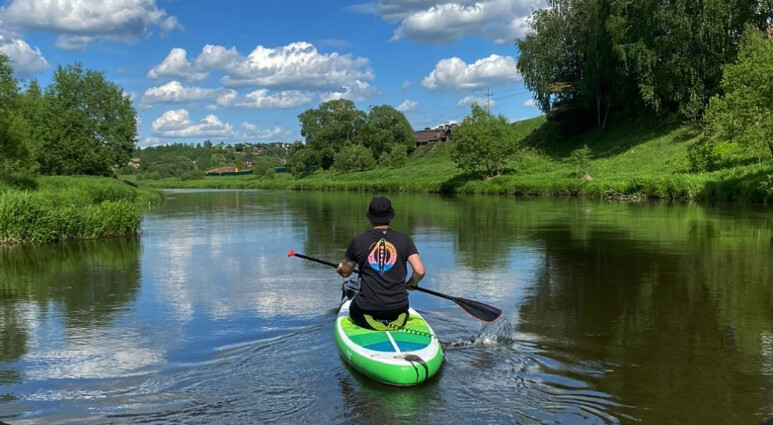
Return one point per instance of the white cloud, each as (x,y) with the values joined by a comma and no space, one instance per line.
(176,65)
(176,123)
(531,103)
(296,66)
(407,106)
(354,91)
(175,92)
(24,59)
(261,99)
(81,22)
(253,132)
(455,74)
(433,22)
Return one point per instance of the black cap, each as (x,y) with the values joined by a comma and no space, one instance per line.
(380,210)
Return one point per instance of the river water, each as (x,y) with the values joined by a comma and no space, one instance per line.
(614,313)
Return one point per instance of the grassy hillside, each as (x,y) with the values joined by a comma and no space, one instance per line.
(637,159)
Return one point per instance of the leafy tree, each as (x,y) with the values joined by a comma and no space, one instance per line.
(264,167)
(328,128)
(397,157)
(483,141)
(567,61)
(354,157)
(16,165)
(300,160)
(584,58)
(93,124)
(384,127)
(745,111)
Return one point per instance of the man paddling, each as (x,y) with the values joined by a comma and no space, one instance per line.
(381,254)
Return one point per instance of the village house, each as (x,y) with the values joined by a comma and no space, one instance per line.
(440,134)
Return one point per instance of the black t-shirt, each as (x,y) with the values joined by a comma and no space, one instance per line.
(381,255)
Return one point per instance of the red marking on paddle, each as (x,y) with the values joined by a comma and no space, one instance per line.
(290,253)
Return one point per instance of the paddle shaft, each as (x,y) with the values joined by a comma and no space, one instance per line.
(474,308)
(418,288)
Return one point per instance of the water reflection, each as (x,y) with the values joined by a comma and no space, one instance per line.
(613,313)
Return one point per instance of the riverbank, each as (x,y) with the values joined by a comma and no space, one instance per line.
(636,160)
(82,207)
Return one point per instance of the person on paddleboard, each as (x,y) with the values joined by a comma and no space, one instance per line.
(382,255)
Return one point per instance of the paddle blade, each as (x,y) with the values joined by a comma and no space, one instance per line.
(478,310)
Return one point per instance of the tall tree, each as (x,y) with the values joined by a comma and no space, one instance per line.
(567,60)
(94,126)
(385,127)
(744,112)
(675,50)
(332,126)
(15,160)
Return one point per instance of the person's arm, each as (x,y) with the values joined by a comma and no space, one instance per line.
(418,271)
(345,268)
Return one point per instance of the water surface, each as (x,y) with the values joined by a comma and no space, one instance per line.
(614,313)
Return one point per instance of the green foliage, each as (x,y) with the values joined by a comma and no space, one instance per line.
(72,208)
(590,57)
(483,141)
(91,126)
(745,112)
(354,158)
(385,127)
(301,160)
(194,174)
(580,158)
(264,167)
(330,127)
(16,163)
(396,157)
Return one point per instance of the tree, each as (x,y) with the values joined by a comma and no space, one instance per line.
(16,164)
(745,112)
(483,141)
(567,60)
(93,124)
(397,157)
(300,160)
(385,127)
(330,127)
(354,157)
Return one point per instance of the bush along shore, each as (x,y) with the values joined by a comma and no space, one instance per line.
(637,160)
(62,208)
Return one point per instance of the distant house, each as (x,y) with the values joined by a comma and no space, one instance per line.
(440,134)
(134,162)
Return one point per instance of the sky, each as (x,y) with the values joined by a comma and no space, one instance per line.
(242,71)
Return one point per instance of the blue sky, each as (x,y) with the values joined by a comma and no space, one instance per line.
(242,71)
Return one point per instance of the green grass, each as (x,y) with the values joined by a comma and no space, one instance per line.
(62,208)
(637,159)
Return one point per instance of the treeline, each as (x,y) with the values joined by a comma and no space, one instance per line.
(81,124)
(341,137)
(189,161)
(589,61)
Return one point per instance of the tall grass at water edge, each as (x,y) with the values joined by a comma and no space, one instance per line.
(63,208)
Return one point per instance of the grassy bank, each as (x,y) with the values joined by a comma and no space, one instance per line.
(62,208)
(638,159)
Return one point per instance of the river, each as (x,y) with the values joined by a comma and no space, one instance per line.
(614,313)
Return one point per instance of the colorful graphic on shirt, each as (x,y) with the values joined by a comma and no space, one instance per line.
(383,255)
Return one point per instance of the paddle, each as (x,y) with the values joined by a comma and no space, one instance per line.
(476,309)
